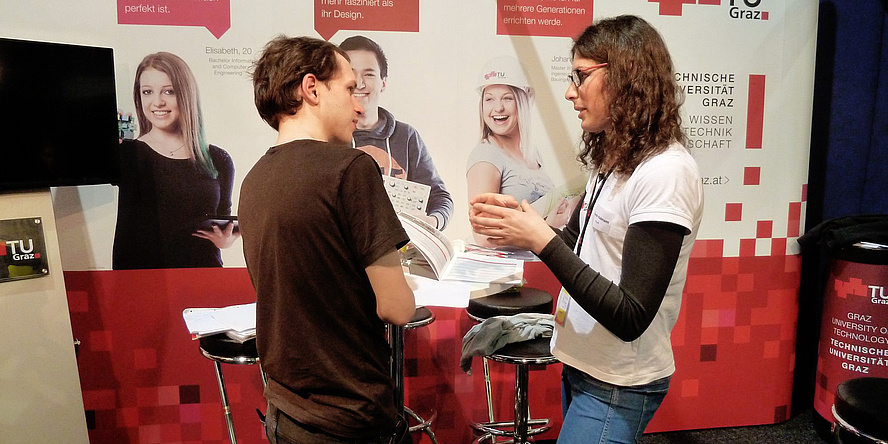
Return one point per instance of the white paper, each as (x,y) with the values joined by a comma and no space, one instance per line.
(433,293)
(201,321)
(238,317)
(205,321)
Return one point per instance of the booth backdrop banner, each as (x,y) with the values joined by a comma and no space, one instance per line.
(745,66)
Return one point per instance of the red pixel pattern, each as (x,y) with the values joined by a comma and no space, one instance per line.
(144,380)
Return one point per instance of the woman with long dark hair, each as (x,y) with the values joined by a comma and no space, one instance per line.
(622,258)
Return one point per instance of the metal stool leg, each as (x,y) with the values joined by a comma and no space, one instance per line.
(520,422)
(489,394)
(226,408)
(396,342)
(223,350)
(487,389)
(521,403)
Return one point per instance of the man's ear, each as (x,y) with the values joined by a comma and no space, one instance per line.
(309,89)
(384,79)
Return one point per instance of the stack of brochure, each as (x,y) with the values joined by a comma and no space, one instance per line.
(236,321)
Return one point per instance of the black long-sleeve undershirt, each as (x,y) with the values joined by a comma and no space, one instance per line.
(650,252)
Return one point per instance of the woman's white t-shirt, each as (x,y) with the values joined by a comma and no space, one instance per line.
(664,188)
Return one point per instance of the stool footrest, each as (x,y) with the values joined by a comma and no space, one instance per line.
(494,428)
(421,423)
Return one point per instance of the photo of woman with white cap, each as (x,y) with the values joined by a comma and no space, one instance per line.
(505,161)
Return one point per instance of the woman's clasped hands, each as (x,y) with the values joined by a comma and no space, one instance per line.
(505,222)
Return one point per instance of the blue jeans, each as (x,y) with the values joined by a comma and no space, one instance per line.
(596,412)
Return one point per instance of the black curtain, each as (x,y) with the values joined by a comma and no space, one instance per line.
(848,170)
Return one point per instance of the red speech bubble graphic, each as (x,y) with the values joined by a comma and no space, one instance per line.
(215,15)
(547,18)
(365,15)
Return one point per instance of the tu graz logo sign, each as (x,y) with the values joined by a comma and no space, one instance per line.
(736,9)
(22,249)
(857,287)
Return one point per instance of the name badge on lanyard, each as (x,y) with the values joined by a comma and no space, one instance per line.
(563,296)
(561,308)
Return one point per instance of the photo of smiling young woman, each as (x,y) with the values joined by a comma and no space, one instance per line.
(505,161)
(171,178)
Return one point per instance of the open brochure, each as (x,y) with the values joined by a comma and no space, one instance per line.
(449,261)
(236,321)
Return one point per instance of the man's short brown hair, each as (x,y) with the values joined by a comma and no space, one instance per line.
(278,73)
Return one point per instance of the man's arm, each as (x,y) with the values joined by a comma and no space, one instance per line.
(440,205)
(394,298)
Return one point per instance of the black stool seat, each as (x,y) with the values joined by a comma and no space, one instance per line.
(862,404)
(226,349)
(531,352)
(510,302)
(421,317)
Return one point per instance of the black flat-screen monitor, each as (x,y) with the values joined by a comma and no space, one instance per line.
(58,115)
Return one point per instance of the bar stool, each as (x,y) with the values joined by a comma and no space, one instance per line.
(522,355)
(422,317)
(507,303)
(861,411)
(222,349)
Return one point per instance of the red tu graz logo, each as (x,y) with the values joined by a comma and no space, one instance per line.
(739,9)
(673,7)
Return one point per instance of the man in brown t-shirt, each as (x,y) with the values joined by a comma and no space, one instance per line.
(320,241)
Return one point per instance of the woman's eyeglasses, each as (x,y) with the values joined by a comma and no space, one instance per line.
(579,75)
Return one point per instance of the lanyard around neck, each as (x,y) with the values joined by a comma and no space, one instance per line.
(596,191)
